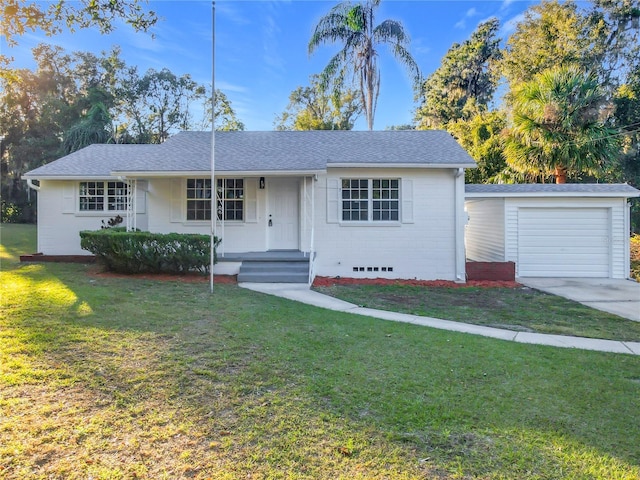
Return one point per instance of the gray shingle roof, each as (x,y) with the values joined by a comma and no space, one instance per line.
(569,189)
(93,161)
(272,151)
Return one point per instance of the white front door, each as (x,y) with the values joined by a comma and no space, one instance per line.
(283,213)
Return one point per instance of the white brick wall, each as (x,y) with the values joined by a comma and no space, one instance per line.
(422,245)
(423,249)
(60,221)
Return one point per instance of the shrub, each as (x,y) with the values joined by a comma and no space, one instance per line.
(17,212)
(635,257)
(11,213)
(144,252)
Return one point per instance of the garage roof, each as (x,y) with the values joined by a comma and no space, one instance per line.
(551,190)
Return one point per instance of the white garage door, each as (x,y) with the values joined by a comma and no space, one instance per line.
(563,242)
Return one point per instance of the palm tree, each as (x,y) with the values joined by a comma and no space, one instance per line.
(353,25)
(558,126)
(94,128)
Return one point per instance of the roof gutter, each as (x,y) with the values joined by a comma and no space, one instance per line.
(207,173)
(66,177)
(401,165)
(471,195)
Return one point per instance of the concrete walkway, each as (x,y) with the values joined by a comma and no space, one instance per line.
(620,297)
(302,293)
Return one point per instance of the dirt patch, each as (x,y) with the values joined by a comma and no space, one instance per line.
(331,281)
(163,277)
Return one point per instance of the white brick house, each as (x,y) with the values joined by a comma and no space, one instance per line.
(359,204)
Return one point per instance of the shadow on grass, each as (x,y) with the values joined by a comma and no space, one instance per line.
(16,240)
(137,377)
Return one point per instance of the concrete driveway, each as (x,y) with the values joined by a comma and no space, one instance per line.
(620,297)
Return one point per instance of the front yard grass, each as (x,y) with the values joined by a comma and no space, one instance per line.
(518,309)
(113,378)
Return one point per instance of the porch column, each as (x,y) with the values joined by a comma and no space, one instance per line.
(132,194)
(459,225)
(313,216)
(304,212)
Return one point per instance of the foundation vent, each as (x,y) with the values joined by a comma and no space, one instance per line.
(373,269)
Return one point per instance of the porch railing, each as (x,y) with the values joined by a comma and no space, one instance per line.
(218,229)
(132,193)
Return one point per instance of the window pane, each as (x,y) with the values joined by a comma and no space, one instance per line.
(230,198)
(91,196)
(116,196)
(198,199)
(386,202)
(355,205)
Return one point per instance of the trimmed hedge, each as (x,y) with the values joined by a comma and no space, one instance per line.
(144,252)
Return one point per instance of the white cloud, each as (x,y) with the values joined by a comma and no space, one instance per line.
(229,87)
(229,11)
(509,26)
(462,23)
(270,34)
(505,4)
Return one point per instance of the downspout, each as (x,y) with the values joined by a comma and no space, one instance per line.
(627,240)
(460,258)
(32,186)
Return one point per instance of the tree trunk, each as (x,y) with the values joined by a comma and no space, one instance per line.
(561,174)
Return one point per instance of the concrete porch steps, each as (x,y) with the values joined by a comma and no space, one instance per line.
(275,267)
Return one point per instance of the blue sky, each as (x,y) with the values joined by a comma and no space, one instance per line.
(261,47)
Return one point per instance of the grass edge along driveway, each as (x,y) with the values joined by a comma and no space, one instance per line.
(512,308)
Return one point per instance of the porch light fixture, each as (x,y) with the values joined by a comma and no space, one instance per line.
(261,183)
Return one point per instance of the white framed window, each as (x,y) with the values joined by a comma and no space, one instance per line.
(96,196)
(370,200)
(198,199)
(230,198)
(232,191)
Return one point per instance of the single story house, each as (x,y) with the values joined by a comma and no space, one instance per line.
(548,230)
(353,204)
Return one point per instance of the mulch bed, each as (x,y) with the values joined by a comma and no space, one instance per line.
(331,281)
(318,282)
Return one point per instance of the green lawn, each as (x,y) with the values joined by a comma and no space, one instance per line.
(519,309)
(129,378)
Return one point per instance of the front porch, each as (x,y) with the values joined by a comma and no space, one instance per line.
(265,223)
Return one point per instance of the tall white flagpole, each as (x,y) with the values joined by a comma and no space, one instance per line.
(214,189)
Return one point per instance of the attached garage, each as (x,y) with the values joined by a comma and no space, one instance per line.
(548,230)
(563,242)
